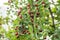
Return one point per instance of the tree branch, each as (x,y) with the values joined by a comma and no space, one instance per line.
(52,17)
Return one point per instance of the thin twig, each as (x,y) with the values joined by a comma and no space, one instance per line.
(52,17)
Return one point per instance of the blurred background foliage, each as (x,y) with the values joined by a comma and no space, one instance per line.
(34,20)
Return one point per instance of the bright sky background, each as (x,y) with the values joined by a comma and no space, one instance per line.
(2,1)
(3,7)
(3,12)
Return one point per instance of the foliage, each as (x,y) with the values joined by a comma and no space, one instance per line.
(35,19)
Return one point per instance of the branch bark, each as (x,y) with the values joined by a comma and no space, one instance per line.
(53,25)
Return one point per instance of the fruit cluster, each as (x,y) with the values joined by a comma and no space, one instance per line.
(31,14)
(17,34)
(22,33)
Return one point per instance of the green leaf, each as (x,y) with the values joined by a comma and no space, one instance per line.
(31,30)
(54,10)
(6,3)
